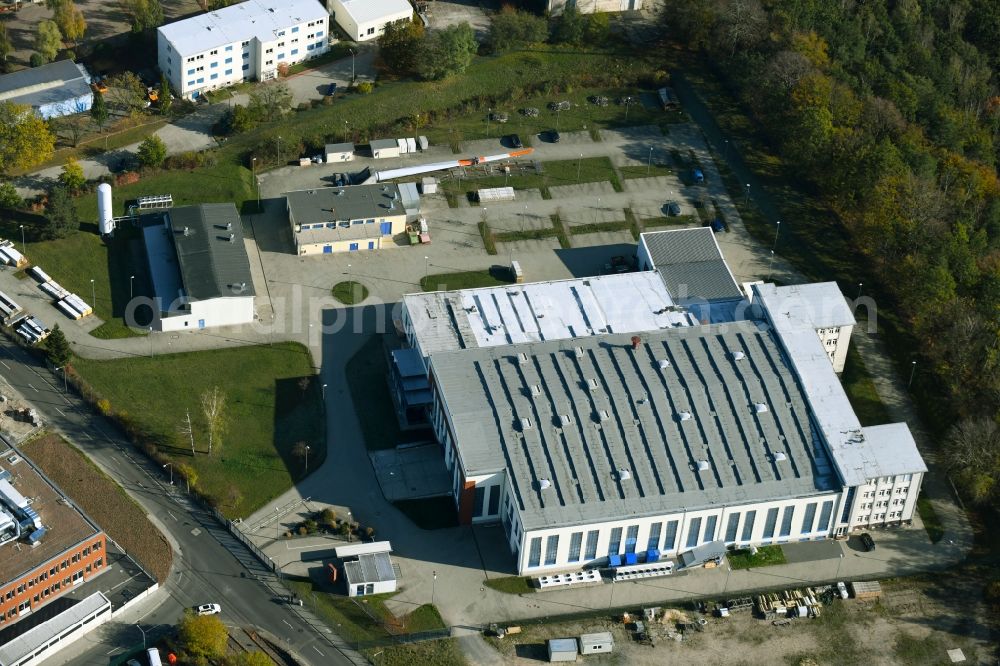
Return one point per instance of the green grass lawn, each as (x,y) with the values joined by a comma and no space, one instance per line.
(598,227)
(861,391)
(466,279)
(273,402)
(932,523)
(766,556)
(350,292)
(555,173)
(673,221)
(444,652)
(510,584)
(645,172)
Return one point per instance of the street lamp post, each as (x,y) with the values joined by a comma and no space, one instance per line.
(578,162)
(171,467)
(860,284)
(324,391)
(307,452)
(489,112)
(777,228)
(23,247)
(65,389)
(130,279)
(434,579)
(746,198)
(277,149)
(143,636)
(150,342)
(93,294)
(253,167)
(770,266)
(649,162)
(913,371)
(839,562)
(426,266)
(350,527)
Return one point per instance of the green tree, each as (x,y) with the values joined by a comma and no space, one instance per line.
(511,29)
(63,217)
(447,52)
(69,19)
(203,636)
(189,474)
(25,139)
(398,44)
(99,110)
(166,100)
(213,406)
(570,27)
(72,175)
(127,93)
(973,457)
(143,14)
(57,348)
(268,102)
(152,152)
(48,40)
(597,29)
(5,46)
(9,198)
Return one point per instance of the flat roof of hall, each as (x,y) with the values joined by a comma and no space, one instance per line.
(353,202)
(262,19)
(578,412)
(65,524)
(691,264)
(539,311)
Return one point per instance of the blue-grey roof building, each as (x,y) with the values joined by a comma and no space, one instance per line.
(57,89)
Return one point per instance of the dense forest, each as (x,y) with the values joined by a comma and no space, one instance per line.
(890,113)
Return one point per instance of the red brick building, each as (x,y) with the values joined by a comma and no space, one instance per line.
(47,545)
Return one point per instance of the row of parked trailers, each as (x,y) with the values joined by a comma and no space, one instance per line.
(10,256)
(68,303)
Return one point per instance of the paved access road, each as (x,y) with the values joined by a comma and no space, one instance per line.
(209,565)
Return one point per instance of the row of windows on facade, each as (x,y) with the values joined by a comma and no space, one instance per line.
(901,490)
(890,480)
(343,224)
(14,591)
(50,590)
(883,503)
(879,517)
(247,43)
(831,331)
(695,536)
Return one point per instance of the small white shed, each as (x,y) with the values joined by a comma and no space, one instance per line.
(368,568)
(339,152)
(562,649)
(383,148)
(596,643)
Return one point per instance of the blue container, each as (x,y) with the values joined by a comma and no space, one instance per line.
(652,555)
(614,561)
(631,558)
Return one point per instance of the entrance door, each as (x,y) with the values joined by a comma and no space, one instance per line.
(386,228)
(371,245)
(201,323)
(353,247)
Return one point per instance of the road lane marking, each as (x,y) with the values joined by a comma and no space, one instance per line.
(33,388)
(317,650)
(172,515)
(5,365)
(288,623)
(60,411)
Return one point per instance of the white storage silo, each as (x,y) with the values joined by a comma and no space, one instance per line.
(105,212)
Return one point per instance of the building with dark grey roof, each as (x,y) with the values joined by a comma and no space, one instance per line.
(693,269)
(199,268)
(56,89)
(326,220)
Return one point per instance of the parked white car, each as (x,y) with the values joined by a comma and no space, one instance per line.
(208,609)
(842,590)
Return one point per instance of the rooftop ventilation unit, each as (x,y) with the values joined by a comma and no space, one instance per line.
(578,352)
(703,466)
(565,420)
(232,238)
(684,416)
(592,384)
(760,408)
(522,358)
(738,356)
(525,424)
(536,390)
(779,456)
(544,484)
(664,364)
(624,475)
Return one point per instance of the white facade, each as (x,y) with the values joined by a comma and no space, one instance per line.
(242,42)
(363,20)
(228,311)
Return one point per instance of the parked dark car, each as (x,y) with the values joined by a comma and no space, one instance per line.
(868,542)
(332,89)
(514,141)
(618,264)
(718,226)
(553,136)
(673,208)
(697,176)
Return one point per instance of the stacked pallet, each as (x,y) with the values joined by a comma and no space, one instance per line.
(866,589)
(10,256)
(31,329)
(68,303)
(788,603)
